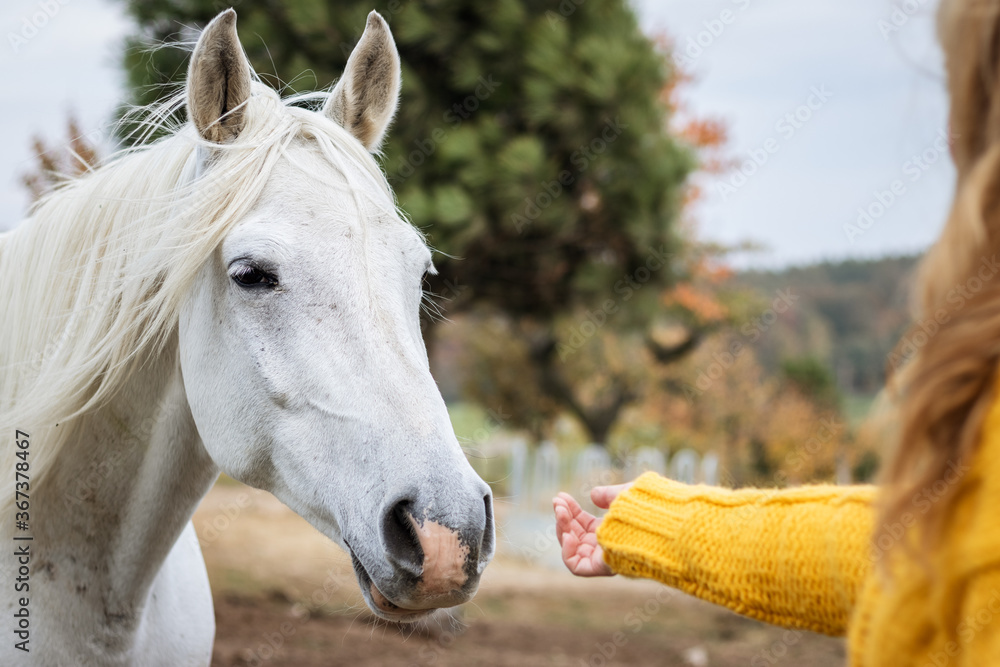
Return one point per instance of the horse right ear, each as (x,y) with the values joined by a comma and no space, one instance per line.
(218,83)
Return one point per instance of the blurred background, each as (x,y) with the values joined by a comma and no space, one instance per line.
(675,236)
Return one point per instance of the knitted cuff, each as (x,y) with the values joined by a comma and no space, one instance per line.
(640,532)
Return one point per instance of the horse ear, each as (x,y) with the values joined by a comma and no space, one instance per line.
(365,99)
(218,82)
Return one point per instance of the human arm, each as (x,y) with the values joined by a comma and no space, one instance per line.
(793,557)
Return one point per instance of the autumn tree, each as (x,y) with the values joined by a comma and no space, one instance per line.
(768,429)
(55,163)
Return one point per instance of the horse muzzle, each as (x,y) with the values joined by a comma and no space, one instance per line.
(430,559)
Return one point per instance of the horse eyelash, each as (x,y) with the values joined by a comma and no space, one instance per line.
(243,270)
(430,305)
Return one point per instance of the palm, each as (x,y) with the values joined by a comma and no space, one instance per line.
(577,532)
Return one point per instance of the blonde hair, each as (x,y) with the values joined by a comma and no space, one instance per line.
(941,395)
(94,279)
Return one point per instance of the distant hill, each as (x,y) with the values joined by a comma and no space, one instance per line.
(849,315)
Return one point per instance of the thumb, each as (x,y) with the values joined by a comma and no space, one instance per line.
(603,495)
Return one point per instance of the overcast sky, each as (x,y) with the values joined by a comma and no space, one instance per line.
(827,109)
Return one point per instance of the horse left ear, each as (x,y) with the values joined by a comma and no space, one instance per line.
(365,99)
(218,83)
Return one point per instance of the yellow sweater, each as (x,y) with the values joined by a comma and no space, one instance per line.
(805,558)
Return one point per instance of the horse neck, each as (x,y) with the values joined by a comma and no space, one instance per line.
(125,485)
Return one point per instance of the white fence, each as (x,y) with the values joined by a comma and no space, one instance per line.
(528,477)
(534,475)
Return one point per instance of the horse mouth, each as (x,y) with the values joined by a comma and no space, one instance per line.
(382,606)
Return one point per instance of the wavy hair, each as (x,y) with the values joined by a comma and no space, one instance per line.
(939,397)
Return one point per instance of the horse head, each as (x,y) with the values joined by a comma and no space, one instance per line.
(300,343)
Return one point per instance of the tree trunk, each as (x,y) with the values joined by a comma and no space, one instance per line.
(596,420)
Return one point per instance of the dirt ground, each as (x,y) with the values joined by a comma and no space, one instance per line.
(286,597)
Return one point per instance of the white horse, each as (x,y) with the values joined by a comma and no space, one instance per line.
(240,296)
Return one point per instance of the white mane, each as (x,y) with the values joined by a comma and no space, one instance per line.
(92,282)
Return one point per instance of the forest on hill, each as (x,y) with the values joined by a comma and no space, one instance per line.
(849,315)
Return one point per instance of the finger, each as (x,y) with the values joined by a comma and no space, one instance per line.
(585,560)
(569,501)
(589,522)
(571,504)
(581,520)
(563,520)
(577,556)
(603,495)
(571,559)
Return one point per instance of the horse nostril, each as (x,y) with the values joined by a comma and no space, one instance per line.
(486,550)
(402,546)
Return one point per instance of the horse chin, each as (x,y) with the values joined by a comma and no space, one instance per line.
(379,604)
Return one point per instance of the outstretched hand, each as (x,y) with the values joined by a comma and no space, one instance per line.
(577,532)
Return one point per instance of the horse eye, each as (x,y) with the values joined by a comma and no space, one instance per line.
(250,276)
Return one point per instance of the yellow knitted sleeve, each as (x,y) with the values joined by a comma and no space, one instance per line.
(793,557)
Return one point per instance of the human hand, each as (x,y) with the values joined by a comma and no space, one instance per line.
(577,532)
